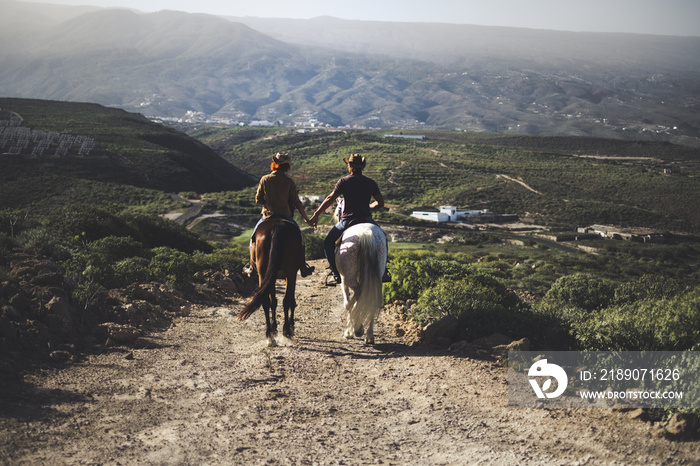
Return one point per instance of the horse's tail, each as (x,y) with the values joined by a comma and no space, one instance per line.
(368,299)
(269,279)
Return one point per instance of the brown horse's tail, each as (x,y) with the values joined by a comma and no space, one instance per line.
(268,282)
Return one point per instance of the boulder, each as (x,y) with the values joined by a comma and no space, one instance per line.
(442,331)
(60,307)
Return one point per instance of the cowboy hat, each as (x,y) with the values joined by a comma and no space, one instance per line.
(280,158)
(356,160)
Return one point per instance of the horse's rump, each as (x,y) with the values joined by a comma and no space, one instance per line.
(361,259)
(276,255)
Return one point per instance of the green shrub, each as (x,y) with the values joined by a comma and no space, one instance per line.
(115,248)
(411,274)
(483,307)
(463,298)
(88,222)
(6,245)
(130,270)
(41,240)
(314,247)
(232,257)
(154,231)
(581,290)
(647,287)
(172,267)
(476,307)
(655,325)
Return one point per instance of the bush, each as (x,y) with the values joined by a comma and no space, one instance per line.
(459,298)
(314,247)
(411,274)
(483,307)
(115,248)
(232,257)
(88,222)
(647,287)
(41,240)
(581,290)
(6,245)
(653,325)
(172,267)
(154,232)
(130,270)
(462,299)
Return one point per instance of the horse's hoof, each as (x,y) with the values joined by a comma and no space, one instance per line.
(347,335)
(271,342)
(369,341)
(359,331)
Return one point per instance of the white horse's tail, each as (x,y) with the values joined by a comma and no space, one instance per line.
(367,301)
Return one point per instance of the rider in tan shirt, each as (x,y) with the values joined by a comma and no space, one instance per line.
(278,195)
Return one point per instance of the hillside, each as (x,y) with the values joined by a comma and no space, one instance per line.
(55,153)
(353,73)
(574,181)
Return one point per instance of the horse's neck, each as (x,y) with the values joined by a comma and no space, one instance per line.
(338,210)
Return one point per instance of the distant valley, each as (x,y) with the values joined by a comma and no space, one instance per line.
(330,72)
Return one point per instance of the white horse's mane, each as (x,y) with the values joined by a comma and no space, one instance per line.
(340,205)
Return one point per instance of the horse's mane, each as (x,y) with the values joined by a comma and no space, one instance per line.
(340,205)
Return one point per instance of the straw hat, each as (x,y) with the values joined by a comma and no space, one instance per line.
(280,158)
(355,160)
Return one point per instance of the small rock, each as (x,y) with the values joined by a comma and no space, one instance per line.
(60,355)
(120,333)
(519,345)
(459,345)
(678,427)
(638,413)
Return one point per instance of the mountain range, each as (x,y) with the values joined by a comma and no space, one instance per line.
(327,71)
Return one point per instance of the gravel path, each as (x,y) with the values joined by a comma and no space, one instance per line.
(209,391)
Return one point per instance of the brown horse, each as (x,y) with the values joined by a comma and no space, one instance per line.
(276,253)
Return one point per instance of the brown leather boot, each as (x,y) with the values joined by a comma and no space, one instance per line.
(386,278)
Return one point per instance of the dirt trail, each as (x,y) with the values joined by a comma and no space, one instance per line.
(208,391)
(520,182)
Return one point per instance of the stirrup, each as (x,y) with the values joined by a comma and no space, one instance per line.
(307,270)
(335,277)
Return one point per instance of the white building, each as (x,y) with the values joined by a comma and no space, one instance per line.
(447,214)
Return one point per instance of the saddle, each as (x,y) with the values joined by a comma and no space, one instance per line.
(351,223)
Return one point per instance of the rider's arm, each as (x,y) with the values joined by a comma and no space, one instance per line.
(330,199)
(260,194)
(302,211)
(378,202)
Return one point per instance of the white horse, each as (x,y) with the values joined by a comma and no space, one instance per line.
(361,260)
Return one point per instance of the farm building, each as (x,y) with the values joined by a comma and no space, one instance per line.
(634,234)
(405,136)
(446,214)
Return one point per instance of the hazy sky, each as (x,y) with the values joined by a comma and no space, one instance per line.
(667,17)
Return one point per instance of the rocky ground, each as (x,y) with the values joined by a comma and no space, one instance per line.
(206,389)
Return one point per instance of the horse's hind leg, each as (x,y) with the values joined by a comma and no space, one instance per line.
(350,302)
(270,307)
(369,337)
(289,303)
